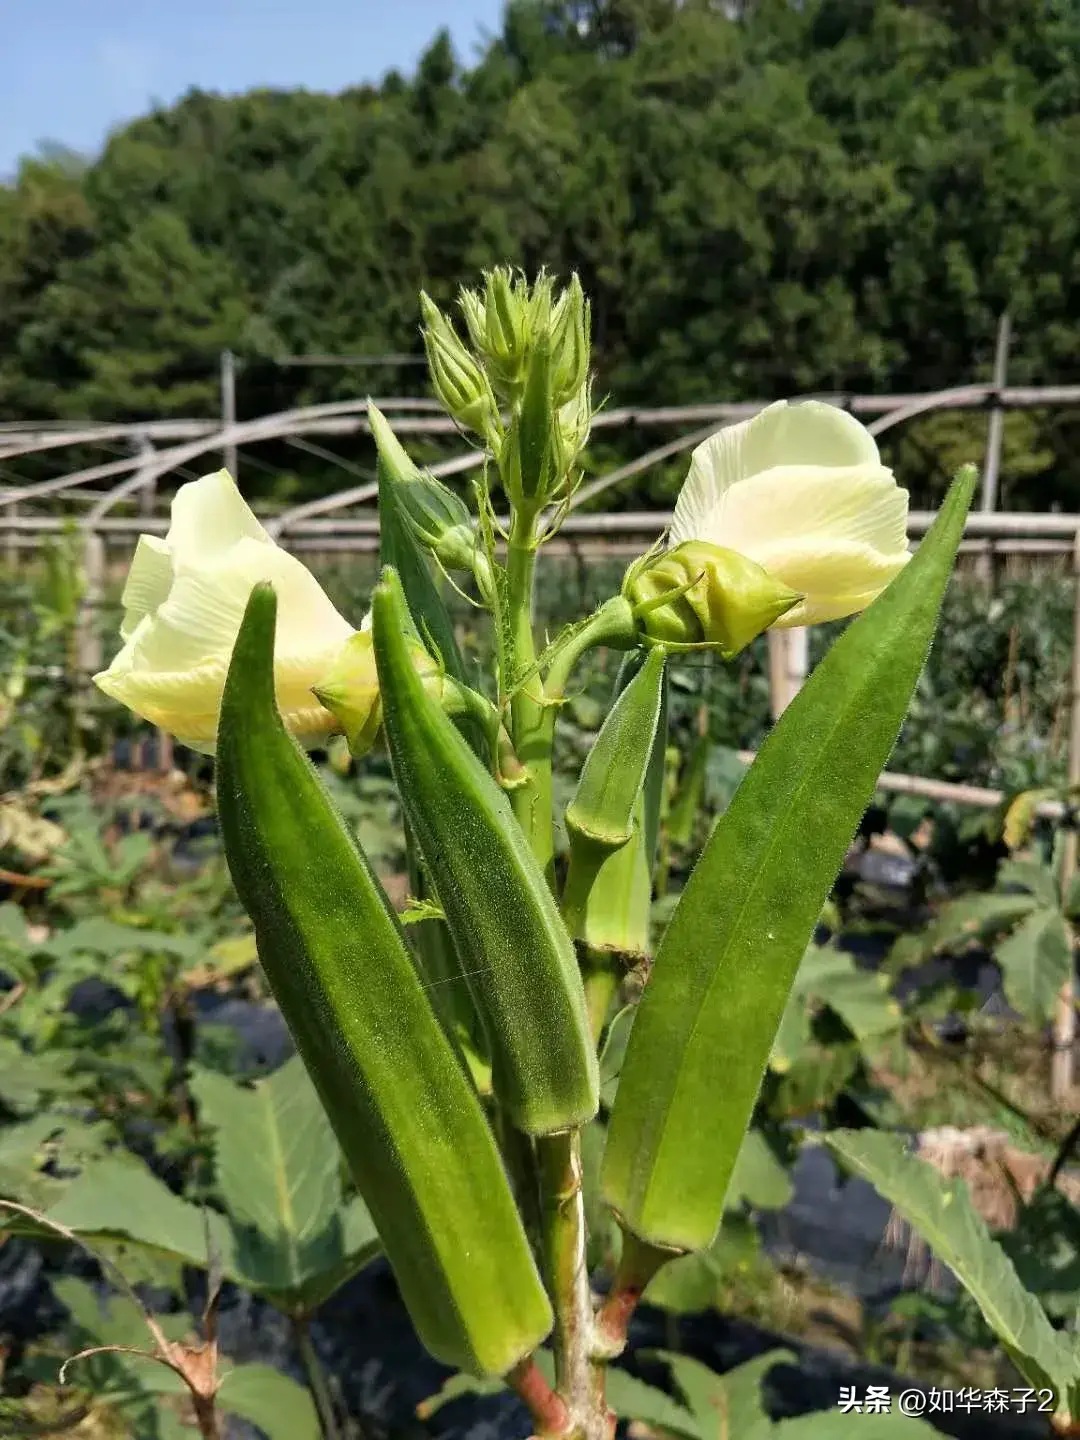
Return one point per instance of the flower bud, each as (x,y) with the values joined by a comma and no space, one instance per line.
(572,426)
(535,464)
(570,325)
(505,328)
(350,689)
(703,595)
(437,516)
(459,380)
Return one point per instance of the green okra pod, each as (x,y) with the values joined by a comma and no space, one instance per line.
(405,1113)
(601,814)
(614,811)
(516,952)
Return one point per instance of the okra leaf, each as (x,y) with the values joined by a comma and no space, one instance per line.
(958,923)
(726,963)
(123,1200)
(359,1245)
(1036,960)
(942,1213)
(758,1178)
(278,1170)
(282,1409)
(835,1425)
(728,1406)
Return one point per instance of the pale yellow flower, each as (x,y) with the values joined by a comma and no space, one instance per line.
(800,489)
(183,604)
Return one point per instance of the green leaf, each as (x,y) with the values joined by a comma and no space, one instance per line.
(728,1406)
(942,1213)
(758,1177)
(99,936)
(122,1199)
(1035,960)
(1031,875)
(968,918)
(455,1388)
(702,1280)
(278,1168)
(832,1425)
(726,963)
(275,1403)
(632,1399)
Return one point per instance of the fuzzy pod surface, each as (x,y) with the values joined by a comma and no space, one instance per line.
(407,1118)
(516,952)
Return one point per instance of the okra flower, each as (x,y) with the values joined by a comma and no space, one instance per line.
(183,603)
(794,501)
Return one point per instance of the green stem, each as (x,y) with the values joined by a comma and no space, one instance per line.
(585,864)
(529,729)
(638,1264)
(579,1379)
(317,1381)
(600,972)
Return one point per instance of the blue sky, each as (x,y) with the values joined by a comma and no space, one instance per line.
(74,69)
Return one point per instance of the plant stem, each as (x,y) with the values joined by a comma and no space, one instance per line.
(578,1379)
(638,1264)
(206,1417)
(528,721)
(600,971)
(316,1378)
(546,1407)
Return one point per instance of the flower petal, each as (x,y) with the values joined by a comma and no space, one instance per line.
(209,516)
(812,506)
(836,582)
(148,582)
(811,433)
(172,669)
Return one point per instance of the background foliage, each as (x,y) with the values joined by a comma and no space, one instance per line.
(762,199)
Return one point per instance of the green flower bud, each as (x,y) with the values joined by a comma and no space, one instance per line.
(437,516)
(460,382)
(472,308)
(703,595)
(505,328)
(570,326)
(572,426)
(350,689)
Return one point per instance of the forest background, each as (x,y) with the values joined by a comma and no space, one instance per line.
(763,199)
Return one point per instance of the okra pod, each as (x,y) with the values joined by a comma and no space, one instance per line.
(601,813)
(515,950)
(409,1121)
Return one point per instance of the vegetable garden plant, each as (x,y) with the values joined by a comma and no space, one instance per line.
(457,1057)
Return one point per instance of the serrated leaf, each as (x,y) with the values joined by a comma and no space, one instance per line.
(1030,875)
(728,1406)
(961,921)
(632,1399)
(274,1402)
(99,936)
(1035,960)
(278,1169)
(832,1425)
(942,1213)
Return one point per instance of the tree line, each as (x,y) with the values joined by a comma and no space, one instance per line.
(763,198)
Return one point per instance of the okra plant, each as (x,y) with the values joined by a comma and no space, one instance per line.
(457,1059)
